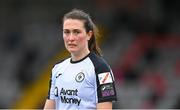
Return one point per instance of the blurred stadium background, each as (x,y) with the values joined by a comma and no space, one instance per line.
(140,39)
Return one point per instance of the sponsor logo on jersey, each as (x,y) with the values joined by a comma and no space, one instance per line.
(107,90)
(68,96)
(105,78)
(56,91)
(80,77)
(65,99)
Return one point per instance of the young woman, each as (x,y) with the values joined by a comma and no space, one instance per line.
(85,80)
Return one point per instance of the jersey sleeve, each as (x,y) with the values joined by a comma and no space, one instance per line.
(52,85)
(105,83)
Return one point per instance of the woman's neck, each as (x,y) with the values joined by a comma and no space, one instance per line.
(79,55)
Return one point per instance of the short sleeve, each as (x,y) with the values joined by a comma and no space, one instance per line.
(105,86)
(105,83)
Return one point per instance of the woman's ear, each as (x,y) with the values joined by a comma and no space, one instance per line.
(89,35)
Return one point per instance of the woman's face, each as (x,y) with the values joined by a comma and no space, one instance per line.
(75,36)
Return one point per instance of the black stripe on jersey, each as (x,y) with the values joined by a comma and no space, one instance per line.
(50,81)
(101,66)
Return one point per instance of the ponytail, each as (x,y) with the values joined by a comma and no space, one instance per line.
(93,44)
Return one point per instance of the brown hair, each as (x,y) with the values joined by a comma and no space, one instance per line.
(89,26)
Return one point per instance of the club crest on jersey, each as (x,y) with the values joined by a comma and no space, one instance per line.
(105,78)
(80,77)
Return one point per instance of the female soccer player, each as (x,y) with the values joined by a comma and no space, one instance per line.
(85,80)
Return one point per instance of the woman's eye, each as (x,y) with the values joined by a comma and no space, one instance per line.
(76,32)
(66,32)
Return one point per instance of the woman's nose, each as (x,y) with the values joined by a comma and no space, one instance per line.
(71,36)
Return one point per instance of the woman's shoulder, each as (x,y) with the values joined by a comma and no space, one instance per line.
(98,61)
(61,62)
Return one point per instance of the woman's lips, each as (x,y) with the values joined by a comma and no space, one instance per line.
(71,45)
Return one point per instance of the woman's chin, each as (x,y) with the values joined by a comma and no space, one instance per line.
(72,50)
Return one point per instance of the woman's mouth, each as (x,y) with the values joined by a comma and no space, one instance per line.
(71,45)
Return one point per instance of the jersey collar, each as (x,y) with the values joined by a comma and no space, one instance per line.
(80,59)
